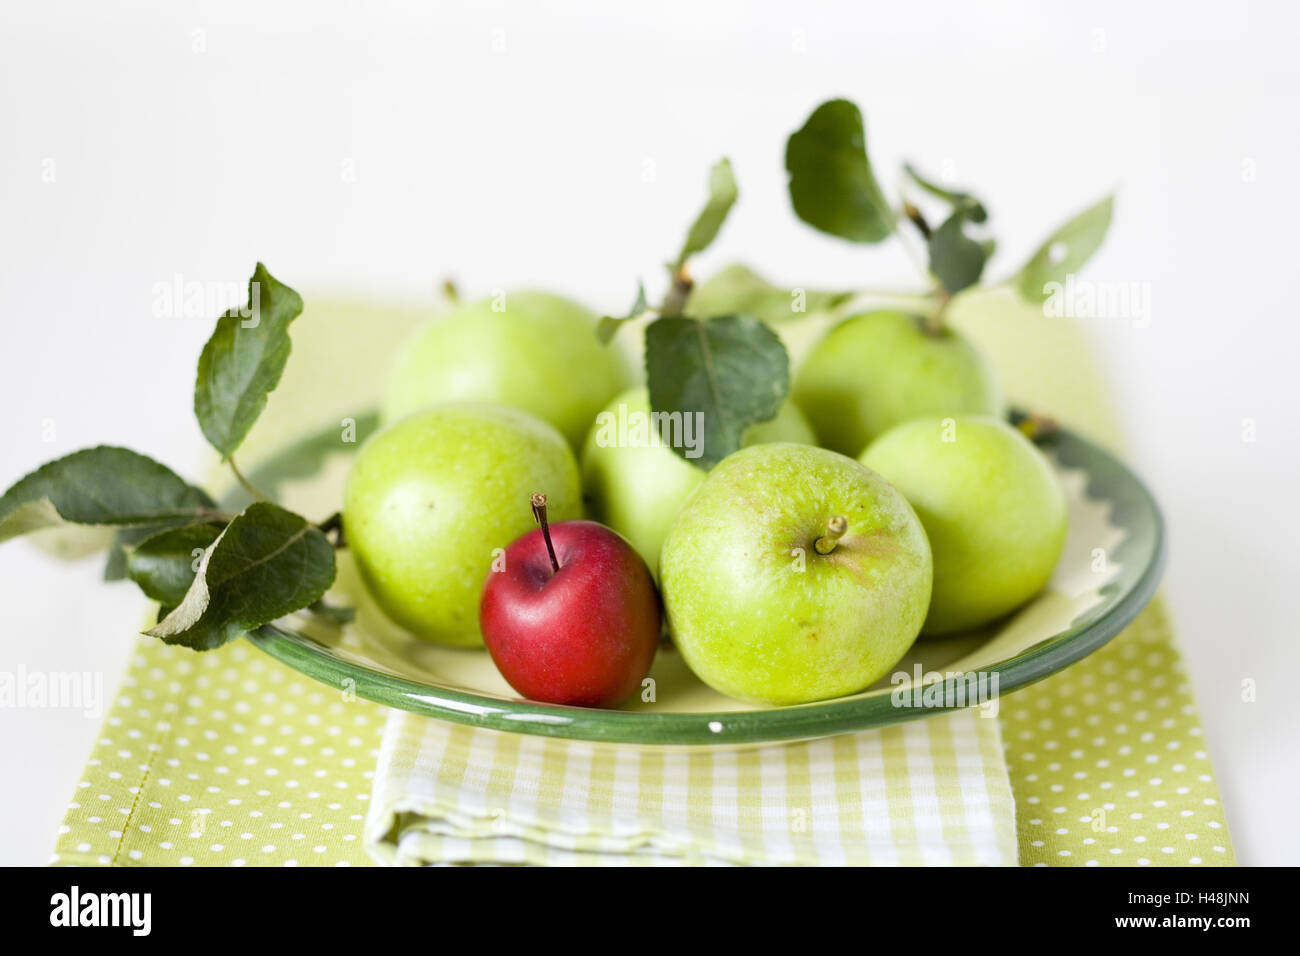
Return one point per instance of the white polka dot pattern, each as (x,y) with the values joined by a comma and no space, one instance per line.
(1108,764)
(225,758)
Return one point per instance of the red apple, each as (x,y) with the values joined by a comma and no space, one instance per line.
(572,615)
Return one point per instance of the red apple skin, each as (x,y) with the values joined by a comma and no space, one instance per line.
(583,636)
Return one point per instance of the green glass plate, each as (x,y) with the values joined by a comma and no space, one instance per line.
(1110,569)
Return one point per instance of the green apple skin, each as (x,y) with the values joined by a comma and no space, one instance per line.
(757,612)
(538,353)
(638,489)
(879,369)
(429,499)
(992,506)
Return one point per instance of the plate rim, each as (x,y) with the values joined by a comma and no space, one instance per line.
(734,728)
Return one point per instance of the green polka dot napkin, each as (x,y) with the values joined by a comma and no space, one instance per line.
(230,758)
(1107,760)
(930,792)
(225,758)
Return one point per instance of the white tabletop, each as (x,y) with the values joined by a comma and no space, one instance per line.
(375,148)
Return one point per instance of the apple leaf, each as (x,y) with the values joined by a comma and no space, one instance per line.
(1065,251)
(722,196)
(738,290)
(124,539)
(243,361)
(832,186)
(99,486)
(956,259)
(609,325)
(956,198)
(268,562)
(732,370)
(164,564)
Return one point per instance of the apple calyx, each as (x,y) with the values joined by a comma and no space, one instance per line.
(835,529)
(538,502)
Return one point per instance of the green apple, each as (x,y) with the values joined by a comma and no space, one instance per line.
(636,486)
(794,574)
(993,508)
(430,498)
(876,370)
(527,350)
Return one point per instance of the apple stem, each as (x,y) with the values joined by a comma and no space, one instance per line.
(675,299)
(917,218)
(244,482)
(539,512)
(334,523)
(835,529)
(934,322)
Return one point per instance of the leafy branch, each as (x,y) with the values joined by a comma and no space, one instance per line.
(833,189)
(710,349)
(726,367)
(215,574)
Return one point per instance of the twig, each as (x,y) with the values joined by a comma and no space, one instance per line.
(676,296)
(334,523)
(244,482)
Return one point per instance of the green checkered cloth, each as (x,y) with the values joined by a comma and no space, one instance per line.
(930,792)
(230,758)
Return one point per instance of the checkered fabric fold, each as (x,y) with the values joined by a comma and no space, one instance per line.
(933,791)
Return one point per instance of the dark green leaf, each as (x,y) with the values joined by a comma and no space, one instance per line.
(243,361)
(956,198)
(610,324)
(733,369)
(737,290)
(267,563)
(722,196)
(123,540)
(831,183)
(99,486)
(1065,251)
(164,564)
(956,259)
(127,538)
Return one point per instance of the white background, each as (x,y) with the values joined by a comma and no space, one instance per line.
(566,144)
